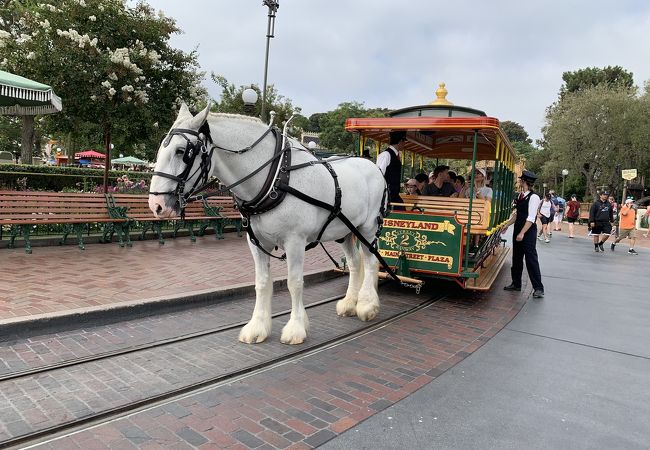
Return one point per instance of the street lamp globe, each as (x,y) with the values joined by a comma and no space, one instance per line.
(311,145)
(565,172)
(249,96)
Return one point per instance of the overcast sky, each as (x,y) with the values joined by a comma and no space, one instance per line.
(503,57)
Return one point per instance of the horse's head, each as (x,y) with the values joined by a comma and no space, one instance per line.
(182,159)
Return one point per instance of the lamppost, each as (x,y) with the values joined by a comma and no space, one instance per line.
(273,6)
(249,96)
(544,184)
(564,174)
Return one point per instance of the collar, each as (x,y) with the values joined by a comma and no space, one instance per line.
(394,150)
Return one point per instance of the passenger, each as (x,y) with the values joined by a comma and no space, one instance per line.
(390,165)
(459,186)
(452,177)
(481,190)
(422,180)
(440,187)
(412,187)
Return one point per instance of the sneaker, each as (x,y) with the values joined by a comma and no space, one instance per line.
(632,252)
(538,294)
(613,246)
(547,241)
(596,249)
(512,287)
(600,246)
(541,238)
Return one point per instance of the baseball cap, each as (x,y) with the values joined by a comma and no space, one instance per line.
(604,193)
(629,200)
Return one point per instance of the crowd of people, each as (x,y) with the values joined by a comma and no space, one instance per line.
(443,182)
(551,210)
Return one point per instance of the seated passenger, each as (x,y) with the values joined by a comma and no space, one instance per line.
(421,179)
(481,190)
(412,187)
(440,187)
(459,186)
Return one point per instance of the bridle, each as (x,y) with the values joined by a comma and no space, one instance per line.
(189,153)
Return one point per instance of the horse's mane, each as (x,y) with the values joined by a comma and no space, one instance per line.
(235,116)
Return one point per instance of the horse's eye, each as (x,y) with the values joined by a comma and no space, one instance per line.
(180,150)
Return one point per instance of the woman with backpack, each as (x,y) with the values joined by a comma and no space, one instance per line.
(572,213)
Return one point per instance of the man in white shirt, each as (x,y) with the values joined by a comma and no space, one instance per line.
(524,236)
(390,164)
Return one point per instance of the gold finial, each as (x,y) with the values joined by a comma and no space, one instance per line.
(441,94)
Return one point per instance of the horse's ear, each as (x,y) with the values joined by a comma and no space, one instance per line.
(201,117)
(184,110)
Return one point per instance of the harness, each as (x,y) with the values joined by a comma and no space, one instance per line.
(273,191)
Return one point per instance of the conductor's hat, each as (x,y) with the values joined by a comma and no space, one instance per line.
(528,176)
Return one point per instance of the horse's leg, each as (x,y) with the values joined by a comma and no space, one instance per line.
(259,327)
(295,331)
(368,303)
(347,305)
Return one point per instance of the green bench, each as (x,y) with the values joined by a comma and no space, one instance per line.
(23,211)
(215,212)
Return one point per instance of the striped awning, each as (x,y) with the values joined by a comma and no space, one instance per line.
(21,96)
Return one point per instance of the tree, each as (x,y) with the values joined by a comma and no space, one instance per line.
(111,64)
(592,130)
(231,102)
(582,79)
(332,126)
(515,132)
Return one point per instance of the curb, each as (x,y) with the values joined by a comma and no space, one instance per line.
(106,314)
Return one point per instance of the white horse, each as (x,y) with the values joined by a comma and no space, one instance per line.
(292,224)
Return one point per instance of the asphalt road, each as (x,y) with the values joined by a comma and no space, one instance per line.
(571,371)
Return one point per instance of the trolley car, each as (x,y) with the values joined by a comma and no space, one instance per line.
(434,236)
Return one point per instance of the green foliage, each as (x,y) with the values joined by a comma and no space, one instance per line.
(110,63)
(231,102)
(10,134)
(332,126)
(582,79)
(52,178)
(515,132)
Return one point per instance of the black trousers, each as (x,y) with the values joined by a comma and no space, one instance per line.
(527,249)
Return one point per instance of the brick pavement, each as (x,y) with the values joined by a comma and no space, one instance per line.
(303,405)
(58,280)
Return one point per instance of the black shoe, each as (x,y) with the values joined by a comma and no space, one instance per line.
(512,287)
(613,246)
(538,294)
(600,246)
(632,252)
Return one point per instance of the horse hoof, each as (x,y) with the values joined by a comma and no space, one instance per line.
(346,308)
(254,333)
(293,334)
(367,311)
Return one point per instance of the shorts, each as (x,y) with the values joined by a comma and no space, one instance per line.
(557,218)
(571,219)
(602,228)
(545,220)
(630,232)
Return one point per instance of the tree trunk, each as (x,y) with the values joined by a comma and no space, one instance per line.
(27,140)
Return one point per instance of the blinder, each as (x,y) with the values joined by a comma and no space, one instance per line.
(189,154)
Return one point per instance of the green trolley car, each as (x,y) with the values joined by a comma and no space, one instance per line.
(443,237)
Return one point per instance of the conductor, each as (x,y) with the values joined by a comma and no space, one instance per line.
(390,165)
(525,236)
